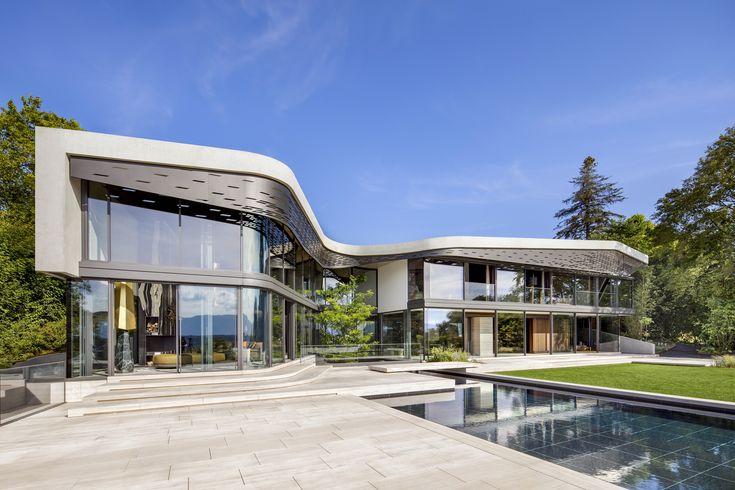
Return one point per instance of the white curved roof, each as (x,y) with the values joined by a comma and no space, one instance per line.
(250,182)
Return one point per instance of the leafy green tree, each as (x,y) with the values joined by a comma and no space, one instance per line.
(345,309)
(587,208)
(695,275)
(32,312)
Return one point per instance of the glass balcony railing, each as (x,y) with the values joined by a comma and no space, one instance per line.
(585,298)
(479,291)
(562,298)
(538,296)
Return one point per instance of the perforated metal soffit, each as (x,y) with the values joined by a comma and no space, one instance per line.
(259,195)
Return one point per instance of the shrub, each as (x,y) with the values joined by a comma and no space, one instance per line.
(447,354)
(724,361)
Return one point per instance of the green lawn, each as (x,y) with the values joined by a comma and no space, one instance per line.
(698,382)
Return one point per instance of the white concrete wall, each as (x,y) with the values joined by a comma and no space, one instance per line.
(393,286)
(633,346)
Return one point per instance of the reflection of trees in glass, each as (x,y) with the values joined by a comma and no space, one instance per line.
(345,310)
(510,285)
(447,333)
(510,332)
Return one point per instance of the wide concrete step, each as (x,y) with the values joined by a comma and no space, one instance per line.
(239,377)
(305,376)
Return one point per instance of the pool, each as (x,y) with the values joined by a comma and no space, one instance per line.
(631,446)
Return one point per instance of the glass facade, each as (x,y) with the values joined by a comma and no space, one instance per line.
(208,326)
(89,321)
(443,328)
(510,285)
(192,327)
(393,328)
(136,227)
(609,334)
(563,331)
(254,328)
(511,333)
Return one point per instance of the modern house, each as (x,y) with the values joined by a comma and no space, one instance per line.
(189,258)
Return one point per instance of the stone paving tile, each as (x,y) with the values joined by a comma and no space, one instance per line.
(319,442)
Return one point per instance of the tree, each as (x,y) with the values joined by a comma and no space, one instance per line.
(32,311)
(587,209)
(345,309)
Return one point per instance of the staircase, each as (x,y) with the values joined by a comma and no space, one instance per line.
(159,391)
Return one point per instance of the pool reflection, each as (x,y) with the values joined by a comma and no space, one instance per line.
(631,446)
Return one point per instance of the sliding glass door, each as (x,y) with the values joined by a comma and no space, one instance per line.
(208,328)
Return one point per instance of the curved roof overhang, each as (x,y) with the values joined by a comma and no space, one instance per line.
(261,185)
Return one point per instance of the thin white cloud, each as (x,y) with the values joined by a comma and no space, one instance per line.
(305,43)
(643,101)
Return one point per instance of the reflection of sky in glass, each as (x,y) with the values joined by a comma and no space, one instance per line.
(445,281)
(508,281)
(198,300)
(144,236)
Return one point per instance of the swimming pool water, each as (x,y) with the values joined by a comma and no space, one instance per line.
(631,446)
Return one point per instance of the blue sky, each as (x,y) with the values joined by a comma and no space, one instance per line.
(401,119)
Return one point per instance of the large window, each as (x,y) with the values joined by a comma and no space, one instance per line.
(210,238)
(278,325)
(254,306)
(625,294)
(89,315)
(510,285)
(510,333)
(563,289)
(145,228)
(444,328)
(444,281)
(479,285)
(417,334)
(584,290)
(98,224)
(393,328)
(606,295)
(415,279)
(563,329)
(208,319)
(609,334)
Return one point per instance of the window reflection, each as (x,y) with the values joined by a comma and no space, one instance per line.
(509,285)
(444,328)
(445,281)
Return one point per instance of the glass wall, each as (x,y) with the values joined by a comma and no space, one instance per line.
(89,317)
(98,226)
(510,333)
(586,333)
(563,289)
(208,326)
(254,318)
(278,326)
(480,283)
(371,283)
(394,328)
(444,281)
(444,328)
(563,331)
(306,333)
(584,290)
(510,284)
(609,334)
(605,295)
(417,334)
(144,228)
(625,293)
(415,279)
(210,237)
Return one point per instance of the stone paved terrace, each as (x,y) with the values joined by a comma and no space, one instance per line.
(332,441)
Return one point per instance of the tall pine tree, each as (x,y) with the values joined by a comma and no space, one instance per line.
(587,209)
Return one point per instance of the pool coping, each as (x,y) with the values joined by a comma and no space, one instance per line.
(700,406)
